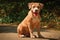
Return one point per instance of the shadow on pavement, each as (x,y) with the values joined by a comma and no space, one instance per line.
(4,29)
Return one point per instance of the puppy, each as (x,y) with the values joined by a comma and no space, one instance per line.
(31,21)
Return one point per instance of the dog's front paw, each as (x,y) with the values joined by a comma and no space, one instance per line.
(21,36)
(40,36)
(32,36)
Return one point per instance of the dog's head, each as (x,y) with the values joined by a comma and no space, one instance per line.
(35,7)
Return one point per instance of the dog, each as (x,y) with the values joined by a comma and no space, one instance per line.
(31,21)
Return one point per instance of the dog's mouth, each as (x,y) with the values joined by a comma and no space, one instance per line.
(35,13)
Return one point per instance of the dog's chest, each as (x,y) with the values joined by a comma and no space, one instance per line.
(35,20)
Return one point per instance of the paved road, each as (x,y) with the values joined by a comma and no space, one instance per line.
(48,35)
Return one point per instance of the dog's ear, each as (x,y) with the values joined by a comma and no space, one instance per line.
(41,5)
(30,5)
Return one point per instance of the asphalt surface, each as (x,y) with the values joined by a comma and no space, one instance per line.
(48,35)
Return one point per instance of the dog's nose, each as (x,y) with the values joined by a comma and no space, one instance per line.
(36,10)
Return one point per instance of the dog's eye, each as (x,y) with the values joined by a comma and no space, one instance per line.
(33,6)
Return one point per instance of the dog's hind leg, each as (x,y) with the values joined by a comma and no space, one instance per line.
(20,35)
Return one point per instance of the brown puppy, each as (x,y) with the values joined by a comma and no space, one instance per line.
(31,21)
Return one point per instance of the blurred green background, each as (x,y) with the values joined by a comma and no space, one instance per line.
(14,11)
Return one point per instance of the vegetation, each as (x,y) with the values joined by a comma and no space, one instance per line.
(14,11)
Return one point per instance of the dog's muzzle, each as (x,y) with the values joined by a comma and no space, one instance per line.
(35,10)
(35,13)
